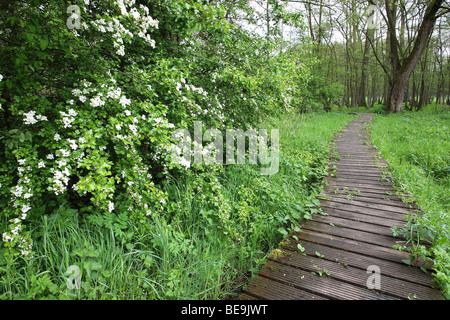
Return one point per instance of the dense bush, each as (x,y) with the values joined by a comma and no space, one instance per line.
(87,113)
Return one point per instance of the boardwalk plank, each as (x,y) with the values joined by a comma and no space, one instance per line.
(267,289)
(363,210)
(352,224)
(319,285)
(356,276)
(376,220)
(392,269)
(353,234)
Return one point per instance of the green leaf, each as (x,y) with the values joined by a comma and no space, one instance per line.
(283,231)
(10,144)
(2,257)
(43,43)
(406,261)
(29,37)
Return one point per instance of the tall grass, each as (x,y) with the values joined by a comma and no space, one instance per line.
(220,225)
(417,147)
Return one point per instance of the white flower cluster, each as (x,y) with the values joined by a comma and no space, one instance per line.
(97,101)
(110,206)
(190,87)
(124,102)
(112,92)
(140,20)
(196,109)
(32,118)
(144,21)
(68,118)
(25,245)
(133,129)
(61,179)
(21,202)
(138,175)
(61,174)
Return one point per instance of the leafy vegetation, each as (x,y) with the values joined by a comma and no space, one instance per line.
(89,103)
(417,148)
(180,254)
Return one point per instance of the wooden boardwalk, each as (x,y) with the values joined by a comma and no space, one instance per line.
(339,248)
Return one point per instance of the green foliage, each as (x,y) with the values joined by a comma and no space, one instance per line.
(416,146)
(88,113)
(86,122)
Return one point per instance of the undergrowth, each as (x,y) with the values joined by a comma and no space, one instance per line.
(416,146)
(218,226)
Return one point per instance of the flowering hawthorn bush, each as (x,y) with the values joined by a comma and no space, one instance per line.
(87,148)
(89,102)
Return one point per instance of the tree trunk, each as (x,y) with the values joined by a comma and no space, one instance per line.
(361,94)
(402,70)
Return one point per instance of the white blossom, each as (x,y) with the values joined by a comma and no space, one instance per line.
(29,117)
(18,191)
(124,101)
(72,113)
(115,94)
(121,51)
(97,101)
(73,144)
(64,153)
(185,163)
(133,128)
